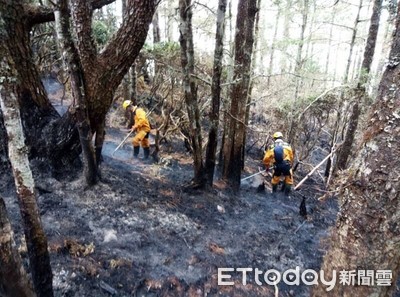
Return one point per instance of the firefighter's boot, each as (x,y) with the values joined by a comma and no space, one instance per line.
(288,188)
(146,152)
(136,151)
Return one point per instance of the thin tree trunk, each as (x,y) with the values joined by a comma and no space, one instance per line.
(286,34)
(251,83)
(36,240)
(367,233)
(156,29)
(271,56)
(352,43)
(190,89)
(369,52)
(130,92)
(170,20)
(13,278)
(216,94)
(328,55)
(77,87)
(310,43)
(126,82)
(243,51)
(297,70)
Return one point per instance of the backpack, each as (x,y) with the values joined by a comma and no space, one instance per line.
(278,154)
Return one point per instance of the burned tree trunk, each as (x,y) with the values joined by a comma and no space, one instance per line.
(70,54)
(13,279)
(346,150)
(190,89)
(102,72)
(367,232)
(37,114)
(233,145)
(215,93)
(39,259)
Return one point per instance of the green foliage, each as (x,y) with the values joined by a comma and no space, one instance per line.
(164,49)
(101,33)
(310,66)
(103,27)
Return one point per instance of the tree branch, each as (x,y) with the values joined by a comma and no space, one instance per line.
(123,48)
(37,14)
(82,18)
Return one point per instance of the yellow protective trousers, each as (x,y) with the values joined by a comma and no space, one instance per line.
(280,170)
(141,138)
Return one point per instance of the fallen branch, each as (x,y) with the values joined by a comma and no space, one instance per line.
(316,167)
(301,225)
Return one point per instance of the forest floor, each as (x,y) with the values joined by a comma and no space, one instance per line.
(140,233)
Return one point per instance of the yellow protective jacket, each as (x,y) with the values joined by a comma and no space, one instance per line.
(141,121)
(269,157)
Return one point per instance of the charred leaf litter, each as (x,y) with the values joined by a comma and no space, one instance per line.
(140,233)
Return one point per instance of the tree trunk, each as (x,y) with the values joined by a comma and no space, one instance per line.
(298,68)
(70,54)
(170,20)
(102,72)
(190,89)
(346,149)
(4,162)
(328,54)
(352,43)
(251,83)
(215,93)
(156,29)
(286,34)
(13,279)
(36,240)
(367,233)
(310,42)
(271,55)
(233,145)
(40,120)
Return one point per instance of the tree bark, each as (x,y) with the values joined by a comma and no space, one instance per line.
(13,278)
(215,93)
(36,240)
(233,145)
(75,69)
(102,72)
(190,89)
(251,82)
(367,233)
(346,149)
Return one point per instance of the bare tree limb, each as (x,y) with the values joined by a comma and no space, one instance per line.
(37,14)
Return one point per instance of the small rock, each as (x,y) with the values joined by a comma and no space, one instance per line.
(110,235)
(221,209)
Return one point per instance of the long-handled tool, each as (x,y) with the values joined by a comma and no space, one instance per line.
(250,176)
(122,142)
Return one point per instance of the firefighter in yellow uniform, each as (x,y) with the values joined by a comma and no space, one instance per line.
(280,156)
(138,123)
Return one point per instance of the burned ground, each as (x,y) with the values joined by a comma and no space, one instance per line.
(140,233)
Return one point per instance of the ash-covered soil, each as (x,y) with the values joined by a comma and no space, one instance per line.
(139,232)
